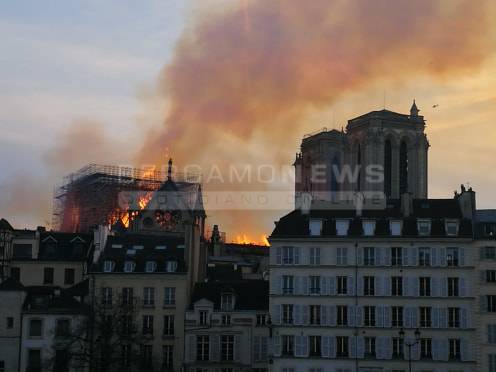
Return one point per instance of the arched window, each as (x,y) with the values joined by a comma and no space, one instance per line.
(403,167)
(359,167)
(388,155)
(334,173)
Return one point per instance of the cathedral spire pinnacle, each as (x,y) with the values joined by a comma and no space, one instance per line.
(169,170)
(414,109)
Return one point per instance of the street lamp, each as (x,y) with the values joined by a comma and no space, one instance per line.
(410,345)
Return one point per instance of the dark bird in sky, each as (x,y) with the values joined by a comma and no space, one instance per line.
(434,106)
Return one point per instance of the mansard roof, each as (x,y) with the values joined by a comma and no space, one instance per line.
(59,246)
(5,225)
(141,248)
(296,223)
(250,294)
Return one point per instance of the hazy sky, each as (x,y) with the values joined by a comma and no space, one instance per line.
(79,83)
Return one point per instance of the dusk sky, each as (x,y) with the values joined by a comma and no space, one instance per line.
(107,81)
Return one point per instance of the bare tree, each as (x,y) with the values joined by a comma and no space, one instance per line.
(106,338)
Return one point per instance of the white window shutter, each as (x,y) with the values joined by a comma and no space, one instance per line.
(379,316)
(350,282)
(378,256)
(360,347)
(464,318)
(462,256)
(237,348)
(297,255)
(435,317)
(442,257)
(331,290)
(463,287)
(412,259)
(304,346)
(436,348)
(386,256)
(352,346)
(276,345)
(359,257)
(351,315)
(305,318)
(298,350)
(407,317)
(387,286)
(280,285)
(444,287)
(324,290)
(414,283)
(444,349)
(443,317)
(466,348)
(360,286)
(434,257)
(332,314)
(191,353)
(358,316)
(278,256)
(276,314)
(435,286)
(214,347)
(387,316)
(323,314)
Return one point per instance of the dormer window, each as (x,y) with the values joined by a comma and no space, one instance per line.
(129,266)
(227,302)
(424,227)
(116,246)
(137,247)
(171,266)
(451,227)
(395,227)
(368,228)
(108,266)
(342,227)
(151,266)
(161,247)
(315,227)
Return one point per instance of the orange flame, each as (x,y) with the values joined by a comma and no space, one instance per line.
(244,239)
(144,200)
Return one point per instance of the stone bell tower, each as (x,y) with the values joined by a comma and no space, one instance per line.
(397,143)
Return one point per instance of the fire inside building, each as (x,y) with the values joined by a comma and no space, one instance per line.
(93,195)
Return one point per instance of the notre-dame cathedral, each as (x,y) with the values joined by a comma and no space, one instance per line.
(391,144)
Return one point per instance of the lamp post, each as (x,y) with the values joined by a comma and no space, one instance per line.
(410,345)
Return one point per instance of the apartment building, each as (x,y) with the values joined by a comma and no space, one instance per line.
(361,291)
(227,327)
(485,245)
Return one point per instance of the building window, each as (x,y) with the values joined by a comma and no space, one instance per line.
(35,327)
(227,347)
(368,256)
(226,319)
(424,286)
(314,284)
(315,227)
(169,296)
(127,296)
(287,284)
(227,302)
(397,316)
(48,275)
(315,348)
(451,228)
(489,253)
(369,316)
(107,296)
(491,362)
(125,356)
(146,356)
(34,360)
(454,349)
(148,324)
(424,256)
(342,285)
(151,266)
(369,347)
(171,266)
(287,345)
(167,357)
(261,320)
(2,365)
(491,333)
(315,256)
(341,256)
(342,227)
(149,296)
(491,303)
(129,266)
(453,287)
(453,317)
(491,276)
(341,346)
(168,325)
(287,314)
(396,286)
(260,346)
(398,348)
(424,227)
(368,286)
(69,276)
(425,317)
(342,315)
(425,348)
(368,228)
(288,256)
(314,314)
(108,266)
(15,273)
(396,256)
(452,256)
(203,317)
(395,228)
(202,347)
(10,322)
(63,327)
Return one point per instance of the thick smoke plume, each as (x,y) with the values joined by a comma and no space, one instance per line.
(255,70)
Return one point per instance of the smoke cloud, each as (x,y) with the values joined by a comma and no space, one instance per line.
(242,80)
